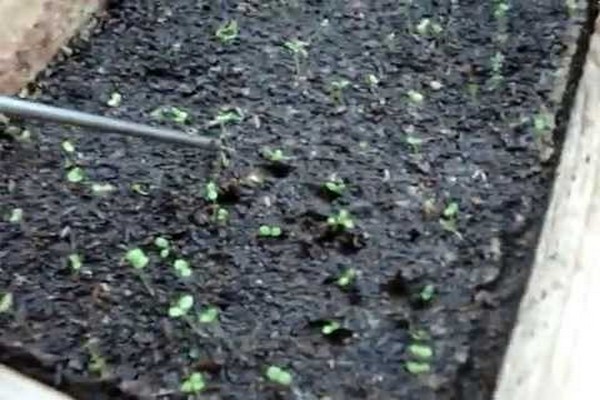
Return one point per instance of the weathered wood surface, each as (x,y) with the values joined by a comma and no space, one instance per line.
(14,386)
(555,346)
(31,33)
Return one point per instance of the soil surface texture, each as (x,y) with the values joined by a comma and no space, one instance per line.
(435,115)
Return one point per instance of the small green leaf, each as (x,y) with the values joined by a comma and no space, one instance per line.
(185,302)
(335,186)
(6,302)
(418,367)
(227,116)
(420,351)
(115,100)
(451,210)
(68,147)
(228,31)
(264,230)
(183,268)
(137,258)
(170,113)
(164,253)
(102,188)
(372,80)
(75,175)
(194,384)
(330,327)
(209,315)
(75,262)
(15,216)
(347,277)
(427,293)
(161,243)
(211,192)
(222,215)
(415,97)
(297,47)
(139,189)
(279,375)
(419,334)
(176,312)
(276,231)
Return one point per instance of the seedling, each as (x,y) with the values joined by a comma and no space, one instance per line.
(221,215)
(211,192)
(97,364)
(76,175)
(427,294)
(209,315)
(428,27)
(418,367)
(163,245)
(414,143)
(115,100)
(496,63)
(421,352)
(271,231)
(170,113)
(330,327)
(341,221)
(227,32)
(15,216)
(415,97)
(182,267)
(194,384)
(68,147)
(227,116)
(346,278)
(6,302)
(501,8)
(335,186)
(139,189)
(450,218)
(451,210)
(299,52)
(279,375)
(102,188)
(75,262)
(137,258)
(418,335)
(181,307)
(336,90)
(542,124)
(275,155)
(372,80)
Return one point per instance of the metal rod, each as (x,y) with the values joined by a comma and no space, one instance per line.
(27,109)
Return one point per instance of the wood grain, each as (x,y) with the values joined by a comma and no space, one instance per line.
(555,345)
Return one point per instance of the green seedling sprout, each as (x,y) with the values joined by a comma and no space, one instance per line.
(271,231)
(372,80)
(415,97)
(139,189)
(163,245)
(193,384)
(336,90)
(139,261)
(209,315)
(428,27)
(450,217)
(542,124)
(275,155)
(418,335)
(427,294)
(181,307)
(182,267)
(346,278)
(227,32)
(170,113)
(414,143)
(15,216)
(279,375)
(6,302)
(211,192)
(330,327)
(68,147)
(115,100)
(298,50)
(341,221)
(76,175)
(500,9)
(497,63)
(75,262)
(221,215)
(420,351)
(97,364)
(418,367)
(335,186)
(227,116)
(451,210)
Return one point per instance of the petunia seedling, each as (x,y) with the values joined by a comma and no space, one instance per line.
(137,258)
(181,307)
(414,142)
(542,124)
(346,278)
(335,186)
(211,192)
(15,216)
(341,221)
(269,231)
(182,267)
(76,175)
(372,80)
(279,375)
(298,48)
(102,188)
(115,100)
(6,302)
(68,147)
(139,188)
(336,90)
(330,327)
(221,215)
(163,245)
(427,294)
(227,32)
(415,97)
(75,262)
(275,155)
(194,384)
(209,315)
(450,217)
(418,367)
(227,116)
(421,352)
(170,113)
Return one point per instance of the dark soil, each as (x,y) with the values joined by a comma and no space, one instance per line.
(479,149)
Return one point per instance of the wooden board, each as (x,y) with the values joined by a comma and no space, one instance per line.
(556,341)
(14,386)
(31,33)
